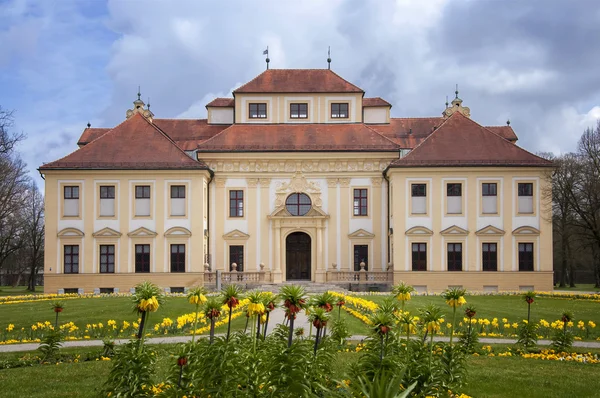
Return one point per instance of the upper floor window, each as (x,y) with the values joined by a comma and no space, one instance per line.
(525,256)
(258,111)
(339,111)
(489,191)
(454,198)
(298,204)
(178,200)
(525,197)
(298,111)
(107,200)
(142,200)
(107,259)
(360,202)
(177,258)
(419,256)
(142,258)
(454,256)
(490,256)
(419,198)
(71,259)
(71,202)
(236,203)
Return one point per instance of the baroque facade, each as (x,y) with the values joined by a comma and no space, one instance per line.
(299,176)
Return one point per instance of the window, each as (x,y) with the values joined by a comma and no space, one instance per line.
(72,192)
(177,191)
(71,263)
(525,256)
(236,255)
(454,198)
(107,290)
(419,198)
(525,197)
(107,259)
(298,204)
(419,256)
(107,192)
(490,256)
(298,111)
(236,203)
(142,258)
(489,191)
(454,256)
(71,203)
(142,192)
(178,200)
(179,289)
(339,111)
(177,258)
(360,202)
(107,201)
(361,254)
(142,200)
(258,111)
(71,290)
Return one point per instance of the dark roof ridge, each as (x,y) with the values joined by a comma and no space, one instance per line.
(215,136)
(383,136)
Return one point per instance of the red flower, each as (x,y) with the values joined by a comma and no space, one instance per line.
(232,302)
(328,307)
(271,306)
(341,303)
(181,361)
(384,329)
(529,300)
(58,309)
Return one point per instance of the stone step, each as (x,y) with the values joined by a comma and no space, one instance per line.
(309,287)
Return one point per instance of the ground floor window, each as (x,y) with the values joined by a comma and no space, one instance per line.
(107,259)
(454,256)
(419,256)
(71,260)
(525,256)
(361,254)
(490,256)
(177,258)
(142,258)
(236,255)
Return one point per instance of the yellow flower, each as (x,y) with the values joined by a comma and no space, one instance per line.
(150,304)
(403,297)
(256,309)
(197,299)
(456,302)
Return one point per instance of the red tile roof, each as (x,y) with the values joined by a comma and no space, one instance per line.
(460,141)
(505,132)
(377,101)
(134,144)
(222,102)
(90,134)
(408,132)
(298,137)
(298,81)
(188,133)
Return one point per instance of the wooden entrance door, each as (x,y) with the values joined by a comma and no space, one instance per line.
(297,256)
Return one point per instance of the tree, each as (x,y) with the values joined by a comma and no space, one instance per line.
(33,234)
(8,139)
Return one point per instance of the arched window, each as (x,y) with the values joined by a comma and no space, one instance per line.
(298,204)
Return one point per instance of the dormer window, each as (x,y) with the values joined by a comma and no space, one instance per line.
(258,111)
(339,111)
(298,111)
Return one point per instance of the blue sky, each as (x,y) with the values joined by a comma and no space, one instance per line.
(64,63)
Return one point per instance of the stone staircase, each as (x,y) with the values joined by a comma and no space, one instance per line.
(310,287)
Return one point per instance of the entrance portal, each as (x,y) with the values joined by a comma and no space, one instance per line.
(297,256)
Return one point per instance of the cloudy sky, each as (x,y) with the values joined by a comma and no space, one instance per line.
(64,63)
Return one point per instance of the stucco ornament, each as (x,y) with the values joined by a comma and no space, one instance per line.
(298,184)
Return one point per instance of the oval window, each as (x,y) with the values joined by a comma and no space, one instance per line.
(298,204)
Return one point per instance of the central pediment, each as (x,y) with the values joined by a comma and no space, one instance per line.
(281,212)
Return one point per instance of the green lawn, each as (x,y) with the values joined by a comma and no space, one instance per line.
(19,290)
(487,377)
(511,307)
(579,288)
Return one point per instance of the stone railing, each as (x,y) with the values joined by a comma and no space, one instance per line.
(235,277)
(383,277)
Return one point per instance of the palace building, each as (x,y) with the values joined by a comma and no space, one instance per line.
(298,177)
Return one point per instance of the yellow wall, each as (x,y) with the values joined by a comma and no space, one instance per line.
(123,223)
(436,220)
(278,107)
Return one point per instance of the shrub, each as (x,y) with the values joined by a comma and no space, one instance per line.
(131,372)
